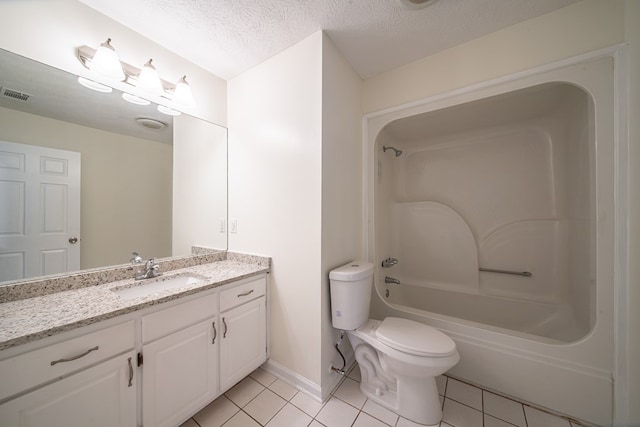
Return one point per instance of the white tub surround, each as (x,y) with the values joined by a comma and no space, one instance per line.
(515,174)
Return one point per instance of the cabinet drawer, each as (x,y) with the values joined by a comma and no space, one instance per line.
(30,369)
(237,295)
(164,322)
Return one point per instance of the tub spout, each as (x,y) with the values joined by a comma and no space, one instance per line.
(388,279)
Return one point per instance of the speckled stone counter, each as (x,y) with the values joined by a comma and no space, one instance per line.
(87,301)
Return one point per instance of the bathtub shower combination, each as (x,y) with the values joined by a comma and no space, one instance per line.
(491,217)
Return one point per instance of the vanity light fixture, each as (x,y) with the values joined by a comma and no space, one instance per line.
(182,95)
(106,62)
(143,83)
(149,81)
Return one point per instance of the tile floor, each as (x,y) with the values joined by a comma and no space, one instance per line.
(262,399)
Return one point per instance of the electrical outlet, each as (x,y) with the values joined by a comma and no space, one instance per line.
(233,225)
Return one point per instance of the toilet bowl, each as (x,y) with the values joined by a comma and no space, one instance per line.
(399,358)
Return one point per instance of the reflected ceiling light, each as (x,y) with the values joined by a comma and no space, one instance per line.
(135,99)
(105,62)
(182,95)
(168,111)
(149,80)
(99,87)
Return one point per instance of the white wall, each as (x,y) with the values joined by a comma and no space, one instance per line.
(275,173)
(49,31)
(575,29)
(342,208)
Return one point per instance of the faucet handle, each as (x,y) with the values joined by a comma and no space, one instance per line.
(137,259)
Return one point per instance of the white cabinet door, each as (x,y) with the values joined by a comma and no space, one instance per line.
(179,374)
(243,346)
(101,396)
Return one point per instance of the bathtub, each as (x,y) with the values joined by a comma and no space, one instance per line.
(500,212)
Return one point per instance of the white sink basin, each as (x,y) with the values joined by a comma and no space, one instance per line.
(153,286)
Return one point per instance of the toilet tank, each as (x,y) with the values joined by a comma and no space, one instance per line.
(350,288)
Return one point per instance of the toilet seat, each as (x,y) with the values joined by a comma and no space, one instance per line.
(414,338)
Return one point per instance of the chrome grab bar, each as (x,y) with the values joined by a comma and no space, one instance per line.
(516,273)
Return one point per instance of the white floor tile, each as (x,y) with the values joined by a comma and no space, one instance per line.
(264,406)
(349,391)
(441,382)
(314,423)
(336,413)
(403,422)
(536,418)
(283,389)
(241,420)
(290,416)
(461,415)
(504,409)
(490,421)
(464,393)
(365,420)
(306,403)
(216,413)
(355,373)
(244,391)
(263,377)
(381,413)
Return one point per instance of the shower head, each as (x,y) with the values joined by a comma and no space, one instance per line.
(395,150)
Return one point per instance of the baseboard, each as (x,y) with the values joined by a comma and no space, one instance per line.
(318,393)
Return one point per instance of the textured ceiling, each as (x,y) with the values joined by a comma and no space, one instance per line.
(227,37)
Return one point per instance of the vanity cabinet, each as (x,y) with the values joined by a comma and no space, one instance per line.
(180,369)
(98,385)
(243,346)
(154,368)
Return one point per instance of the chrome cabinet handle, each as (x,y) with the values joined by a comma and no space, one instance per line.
(74,357)
(224,334)
(130,373)
(215,332)
(245,294)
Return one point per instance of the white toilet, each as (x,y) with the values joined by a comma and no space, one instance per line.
(399,359)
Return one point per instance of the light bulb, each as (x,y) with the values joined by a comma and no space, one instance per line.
(182,95)
(149,80)
(106,63)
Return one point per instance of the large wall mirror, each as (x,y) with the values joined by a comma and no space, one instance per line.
(148,182)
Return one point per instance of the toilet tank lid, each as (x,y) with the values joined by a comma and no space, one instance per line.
(415,338)
(355,270)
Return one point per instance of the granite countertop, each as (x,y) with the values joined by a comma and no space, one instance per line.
(30,319)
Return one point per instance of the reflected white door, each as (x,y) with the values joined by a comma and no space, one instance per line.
(39,211)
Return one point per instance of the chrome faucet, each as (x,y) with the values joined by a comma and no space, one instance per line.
(150,269)
(389,262)
(388,279)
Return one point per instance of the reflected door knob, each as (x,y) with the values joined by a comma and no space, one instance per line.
(73,240)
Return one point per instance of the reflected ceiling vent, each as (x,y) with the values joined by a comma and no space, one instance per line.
(150,123)
(14,94)
(416,4)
